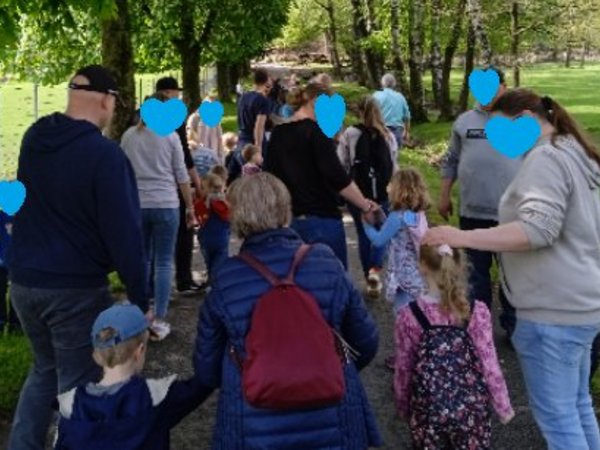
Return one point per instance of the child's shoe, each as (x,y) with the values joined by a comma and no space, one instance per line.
(159,330)
(374,285)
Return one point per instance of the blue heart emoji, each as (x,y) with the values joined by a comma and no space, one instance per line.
(163,118)
(211,113)
(330,112)
(484,85)
(512,138)
(12,196)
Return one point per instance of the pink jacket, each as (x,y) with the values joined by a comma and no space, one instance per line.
(408,334)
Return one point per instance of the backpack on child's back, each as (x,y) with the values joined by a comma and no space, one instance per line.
(372,167)
(294,358)
(447,382)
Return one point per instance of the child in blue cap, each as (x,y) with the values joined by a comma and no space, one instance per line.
(124,410)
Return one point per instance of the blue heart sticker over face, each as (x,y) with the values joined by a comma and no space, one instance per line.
(484,85)
(163,118)
(12,196)
(211,113)
(330,113)
(512,138)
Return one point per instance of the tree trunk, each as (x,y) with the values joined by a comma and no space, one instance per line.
(446,112)
(436,54)
(463,102)
(224,80)
(514,42)
(415,62)
(474,9)
(334,53)
(360,34)
(584,50)
(372,27)
(117,55)
(398,62)
(569,55)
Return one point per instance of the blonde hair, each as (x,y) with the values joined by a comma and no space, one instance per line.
(407,190)
(229,140)
(370,114)
(259,203)
(220,171)
(300,96)
(213,183)
(450,275)
(249,151)
(120,353)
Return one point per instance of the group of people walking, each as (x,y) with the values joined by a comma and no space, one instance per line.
(105,206)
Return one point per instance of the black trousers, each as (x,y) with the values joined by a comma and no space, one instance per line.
(7,312)
(183,250)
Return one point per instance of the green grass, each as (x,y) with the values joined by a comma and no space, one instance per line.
(576,89)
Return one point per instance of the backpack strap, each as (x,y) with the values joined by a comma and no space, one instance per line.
(298,258)
(273,279)
(420,315)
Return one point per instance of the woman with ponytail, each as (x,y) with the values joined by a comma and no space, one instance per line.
(447,372)
(549,244)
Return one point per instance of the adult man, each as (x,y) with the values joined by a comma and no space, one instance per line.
(483,174)
(185,236)
(394,109)
(253,109)
(81,219)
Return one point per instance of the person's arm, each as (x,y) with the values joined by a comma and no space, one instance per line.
(449,172)
(480,330)
(393,223)
(196,181)
(182,176)
(183,397)
(343,150)
(406,338)
(119,220)
(259,129)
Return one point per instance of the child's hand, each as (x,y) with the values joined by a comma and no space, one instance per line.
(505,420)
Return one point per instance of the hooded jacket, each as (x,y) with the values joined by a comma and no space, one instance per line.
(81,218)
(556,198)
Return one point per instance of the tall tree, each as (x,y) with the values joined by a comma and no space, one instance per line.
(329,8)
(436,53)
(361,34)
(446,112)
(398,61)
(475,14)
(463,102)
(415,61)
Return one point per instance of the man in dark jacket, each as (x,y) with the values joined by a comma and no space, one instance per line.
(81,220)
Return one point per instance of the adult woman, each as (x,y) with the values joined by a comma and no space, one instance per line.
(261,216)
(159,169)
(549,244)
(201,135)
(305,160)
(380,142)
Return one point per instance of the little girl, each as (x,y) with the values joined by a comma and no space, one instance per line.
(403,230)
(253,157)
(447,372)
(212,213)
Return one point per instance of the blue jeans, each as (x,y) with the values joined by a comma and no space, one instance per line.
(58,323)
(397,132)
(160,233)
(324,230)
(370,256)
(214,251)
(556,366)
(480,280)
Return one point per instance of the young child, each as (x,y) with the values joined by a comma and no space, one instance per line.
(204,159)
(220,171)
(254,159)
(212,213)
(7,313)
(124,411)
(447,371)
(402,232)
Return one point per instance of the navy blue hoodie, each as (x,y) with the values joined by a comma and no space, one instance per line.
(81,218)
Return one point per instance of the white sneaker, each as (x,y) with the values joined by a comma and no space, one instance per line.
(374,285)
(159,330)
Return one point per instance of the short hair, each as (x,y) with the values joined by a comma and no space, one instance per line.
(388,81)
(259,203)
(229,139)
(249,151)
(220,171)
(120,353)
(261,76)
(213,183)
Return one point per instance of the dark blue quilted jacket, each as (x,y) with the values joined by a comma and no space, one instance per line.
(225,320)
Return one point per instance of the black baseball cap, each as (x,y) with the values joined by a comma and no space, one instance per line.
(100,80)
(167,84)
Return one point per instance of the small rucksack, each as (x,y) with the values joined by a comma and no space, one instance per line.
(447,385)
(372,166)
(294,359)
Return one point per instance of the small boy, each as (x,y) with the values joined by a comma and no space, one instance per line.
(7,313)
(254,159)
(204,159)
(124,410)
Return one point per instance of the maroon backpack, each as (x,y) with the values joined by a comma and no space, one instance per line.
(293,357)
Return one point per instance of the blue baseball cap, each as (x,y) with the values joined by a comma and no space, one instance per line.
(125,318)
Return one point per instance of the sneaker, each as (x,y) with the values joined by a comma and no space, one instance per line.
(192,289)
(159,330)
(374,285)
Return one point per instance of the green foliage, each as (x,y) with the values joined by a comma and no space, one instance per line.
(15,359)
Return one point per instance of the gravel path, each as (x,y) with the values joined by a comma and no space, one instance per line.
(174,356)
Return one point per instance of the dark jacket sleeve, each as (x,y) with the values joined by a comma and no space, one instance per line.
(358,327)
(187,155)
(120,222)
(211,342)
(328,163)
(184,396)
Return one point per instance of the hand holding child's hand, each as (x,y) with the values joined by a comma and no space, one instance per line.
(506,419)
